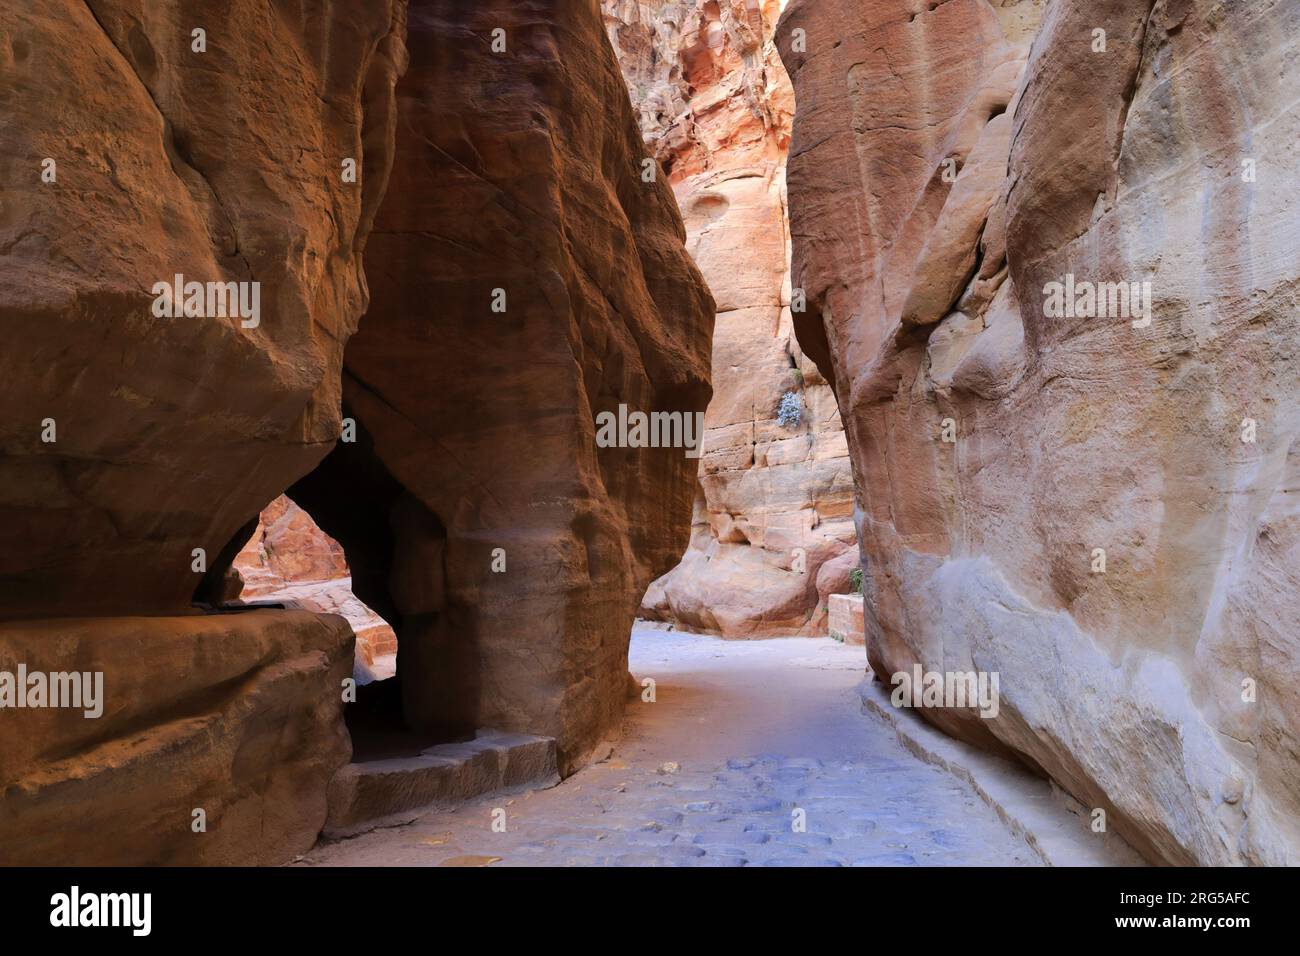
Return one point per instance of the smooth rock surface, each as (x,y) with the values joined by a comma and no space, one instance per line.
(1162,689)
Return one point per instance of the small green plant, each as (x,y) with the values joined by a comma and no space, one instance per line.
(855,580)
(790,412)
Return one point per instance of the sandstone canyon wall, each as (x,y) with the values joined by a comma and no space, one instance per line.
(517,170)
(522,255)
(130,439)
(773,531)
(1101,510)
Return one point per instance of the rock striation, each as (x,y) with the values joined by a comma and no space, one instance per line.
(130,439)
(772,533)
(1098,506)
(149,145)
(216,739)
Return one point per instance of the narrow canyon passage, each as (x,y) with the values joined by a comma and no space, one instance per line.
(740,736)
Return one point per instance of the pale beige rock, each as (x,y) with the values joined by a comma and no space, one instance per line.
(775,502)
(1072,434)
(846,618)
(290,560)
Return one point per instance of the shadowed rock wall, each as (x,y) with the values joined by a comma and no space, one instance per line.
(525,278)
(226,156)
(136,151)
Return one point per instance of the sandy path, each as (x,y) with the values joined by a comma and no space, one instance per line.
(762,733)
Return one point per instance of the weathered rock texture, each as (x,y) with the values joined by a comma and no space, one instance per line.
(223,165)
(129,440)
(774,506)
(236,715)
(519,171)
(290,560)
(1072,434)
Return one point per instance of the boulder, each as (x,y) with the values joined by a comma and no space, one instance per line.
(215,738)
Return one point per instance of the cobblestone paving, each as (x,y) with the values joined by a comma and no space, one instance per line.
(754,753)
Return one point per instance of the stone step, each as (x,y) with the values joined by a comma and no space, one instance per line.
(389,792)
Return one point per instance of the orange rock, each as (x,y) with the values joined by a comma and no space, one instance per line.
(236,716)
(221,165)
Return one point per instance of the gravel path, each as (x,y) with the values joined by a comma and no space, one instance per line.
(754,753)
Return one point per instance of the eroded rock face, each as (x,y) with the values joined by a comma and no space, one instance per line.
(774,507)
(476,509)
(220,166)
(1072,434)
(478,514)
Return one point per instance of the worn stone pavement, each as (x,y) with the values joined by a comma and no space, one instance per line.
(742,734)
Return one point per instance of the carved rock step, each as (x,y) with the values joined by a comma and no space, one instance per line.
(392,791)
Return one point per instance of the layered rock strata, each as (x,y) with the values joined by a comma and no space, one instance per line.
(205,146)
(194,740)
(290,560)
(228,143)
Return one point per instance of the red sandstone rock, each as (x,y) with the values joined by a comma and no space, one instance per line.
(845,615)
(290,560)
(222,165)
(518,171)
(236,715)
(165,434)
